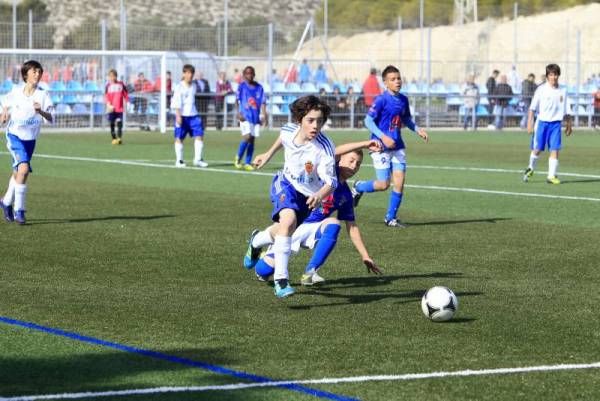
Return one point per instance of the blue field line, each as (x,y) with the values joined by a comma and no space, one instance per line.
(175,359)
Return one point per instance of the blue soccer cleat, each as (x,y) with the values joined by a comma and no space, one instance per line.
(252,254)
(283,289)
(9,214)
(20,217)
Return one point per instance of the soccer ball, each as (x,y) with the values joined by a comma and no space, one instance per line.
(439,304)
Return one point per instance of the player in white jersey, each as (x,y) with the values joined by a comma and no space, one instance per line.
(551,103)
(25,108)
(307,178)
(187,118)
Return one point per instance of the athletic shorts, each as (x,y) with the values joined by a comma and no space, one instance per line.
(115,116)
(387,161)
(191,125)
(248,128)
(20,150)
(547,134)
(285,196)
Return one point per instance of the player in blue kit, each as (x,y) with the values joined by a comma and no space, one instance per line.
(551,103)
(187,118)
(250,102)
(308,177)
(320,230)
(385,118)
(25,108)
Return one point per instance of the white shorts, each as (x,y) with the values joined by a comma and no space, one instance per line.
(248,128)
(384,160)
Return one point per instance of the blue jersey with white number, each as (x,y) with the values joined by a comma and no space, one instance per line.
(340,200)
(250,99)
(390,112)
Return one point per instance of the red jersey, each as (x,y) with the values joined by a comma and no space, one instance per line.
(116,95)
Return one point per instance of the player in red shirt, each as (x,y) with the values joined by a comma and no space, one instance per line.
(116,97)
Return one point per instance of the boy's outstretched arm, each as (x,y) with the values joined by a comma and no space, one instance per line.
(410,124)
(372,126)
(372,145)
(263,158)
(358,243)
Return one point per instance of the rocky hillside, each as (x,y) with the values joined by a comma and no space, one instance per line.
(66,15)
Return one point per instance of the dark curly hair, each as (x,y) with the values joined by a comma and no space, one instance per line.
(305,104)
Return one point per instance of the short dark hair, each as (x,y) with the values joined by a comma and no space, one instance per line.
(389,70)
(302,106)
(249,67)
(28,65)
(552,68)
(189,67)
(495,72)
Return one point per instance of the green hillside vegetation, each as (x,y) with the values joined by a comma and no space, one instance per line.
(383,14)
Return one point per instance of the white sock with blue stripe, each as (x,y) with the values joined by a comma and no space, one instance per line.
(9,196)
(20,194)
(533,161)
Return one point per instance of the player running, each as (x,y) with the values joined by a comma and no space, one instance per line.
(25,108)
(384,119)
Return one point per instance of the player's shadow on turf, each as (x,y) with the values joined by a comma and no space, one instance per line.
(374,281)
(105,218)
(579,181)
(446,222)
(29,373)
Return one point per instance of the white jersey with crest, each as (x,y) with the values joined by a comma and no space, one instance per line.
(308,167)
(24,121)
(184,99)
(550,102)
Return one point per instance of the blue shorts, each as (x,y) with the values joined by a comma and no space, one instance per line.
(21,150)
(114,116)
(191,125)
(285,196)
(547,134)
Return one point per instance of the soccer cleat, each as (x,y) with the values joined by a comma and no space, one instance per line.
(527,174)
(248,167)
(311,278)
(394,223)
(553,180)
(20,217)
(262,279)
(236,163)
(200,163)
(283,289)
(115,141)
(252,254)
(119,141)
(9,214)
(355,194)
(180,164)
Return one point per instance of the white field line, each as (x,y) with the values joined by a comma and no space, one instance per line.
(356,379)
(258,173)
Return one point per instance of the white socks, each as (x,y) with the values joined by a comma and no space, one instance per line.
(20,194)
(178,151)
(282,249)
(552,167)
(198,146)
(9,196)
(261,239)
(533,161)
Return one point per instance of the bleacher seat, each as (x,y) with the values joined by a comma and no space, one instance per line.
(91,86)
(279,87)
(410,89)
(454,88)
(74,86)
(276,110)
(325,85)
(62,108)
(79,108)
(6,86)
(454,101)
(309,87)
(294,87)
(99,108)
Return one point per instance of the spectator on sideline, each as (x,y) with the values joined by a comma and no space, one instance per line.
(503,94)
(321,75)
(470,100)
(141,88)
(202,97)
(528,88)
(597,108)
(491,89)
(222,89)
(304,72)
(371,88)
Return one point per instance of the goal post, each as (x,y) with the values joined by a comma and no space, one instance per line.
(76,79)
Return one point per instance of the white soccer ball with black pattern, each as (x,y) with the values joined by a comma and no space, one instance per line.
(439,304)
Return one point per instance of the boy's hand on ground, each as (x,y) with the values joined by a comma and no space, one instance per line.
(372,267)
